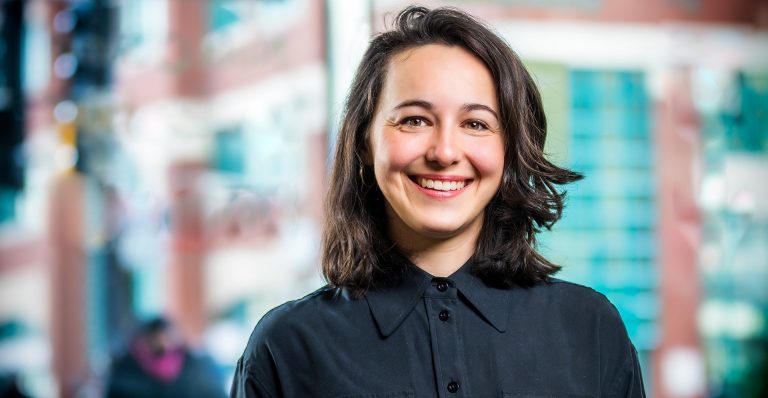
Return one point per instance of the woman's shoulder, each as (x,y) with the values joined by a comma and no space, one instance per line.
(290,309)
(558,295)
(569,291)
(583,307)
(299,309)
(284,334)
(303,316)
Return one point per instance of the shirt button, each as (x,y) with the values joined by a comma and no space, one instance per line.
(453,387)
(444,315)
(442,286)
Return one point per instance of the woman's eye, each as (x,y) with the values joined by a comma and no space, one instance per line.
(476,125)
(414,121)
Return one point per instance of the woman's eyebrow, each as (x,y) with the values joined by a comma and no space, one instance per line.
(420,103)
(479,107)
(428,106)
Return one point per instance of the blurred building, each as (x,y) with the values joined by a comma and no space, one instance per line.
(169,157)
(175,154)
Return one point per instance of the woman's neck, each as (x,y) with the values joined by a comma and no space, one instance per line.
(444,258)
(438,256)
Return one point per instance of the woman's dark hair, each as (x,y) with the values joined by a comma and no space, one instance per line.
(356,251)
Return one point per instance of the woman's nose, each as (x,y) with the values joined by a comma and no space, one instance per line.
(444,149)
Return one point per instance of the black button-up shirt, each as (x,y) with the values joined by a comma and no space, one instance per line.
(442,337)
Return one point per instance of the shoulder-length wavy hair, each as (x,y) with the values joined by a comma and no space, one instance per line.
(357,253)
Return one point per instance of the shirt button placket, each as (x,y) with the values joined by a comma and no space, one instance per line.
(443,300)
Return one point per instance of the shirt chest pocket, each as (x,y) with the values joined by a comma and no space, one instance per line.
(541,395)
(398,394)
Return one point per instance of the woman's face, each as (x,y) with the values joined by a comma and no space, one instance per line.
(436,144)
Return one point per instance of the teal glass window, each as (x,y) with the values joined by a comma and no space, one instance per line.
(607,238)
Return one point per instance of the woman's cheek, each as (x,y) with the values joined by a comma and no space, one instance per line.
(401,150)
(487,159)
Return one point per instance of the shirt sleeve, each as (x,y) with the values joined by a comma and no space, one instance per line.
(629,381)
(247,384)
(620,366)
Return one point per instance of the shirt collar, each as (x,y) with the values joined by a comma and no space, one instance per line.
(493,304)
(391,305)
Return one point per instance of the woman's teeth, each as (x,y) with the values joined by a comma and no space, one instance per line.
(439,185)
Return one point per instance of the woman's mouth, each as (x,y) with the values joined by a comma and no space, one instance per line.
(441,184)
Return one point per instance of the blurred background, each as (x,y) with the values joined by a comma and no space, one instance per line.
(167,158)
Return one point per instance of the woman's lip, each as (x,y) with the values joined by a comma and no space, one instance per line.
(439,177)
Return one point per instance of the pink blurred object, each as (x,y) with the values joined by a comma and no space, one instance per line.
(165,366)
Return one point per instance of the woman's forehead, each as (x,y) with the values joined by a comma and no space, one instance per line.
(439,74)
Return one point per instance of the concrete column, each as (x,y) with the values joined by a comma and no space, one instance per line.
(678,361)
(185,300)
(68,275)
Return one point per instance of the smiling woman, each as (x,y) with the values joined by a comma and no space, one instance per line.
(437,151)
(439,185)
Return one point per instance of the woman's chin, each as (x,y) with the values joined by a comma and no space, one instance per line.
(433,226)
(441,231)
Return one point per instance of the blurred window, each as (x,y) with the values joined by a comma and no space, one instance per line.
(228,152)
(749,129)
(224,13)
(36,54)
(269,16)
(7,205)
(734,255)
(607,237)
(143,23)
